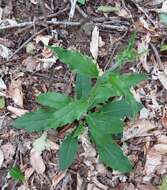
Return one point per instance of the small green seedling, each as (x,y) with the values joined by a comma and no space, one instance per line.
(100,103)
(16,174)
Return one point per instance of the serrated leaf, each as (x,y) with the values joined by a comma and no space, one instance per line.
(119,109)
(36,121)
(113,84)
(110,153)
(83,86)
(78,62)
(43,119)
(68,151)
(53,100)
(107,9)
(164,184)
(16,174)
(78,131)
(128,54)
(106,124)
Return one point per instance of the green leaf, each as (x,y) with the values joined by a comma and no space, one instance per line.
(68,151)
(78,62)
(16,174)
(110,153)
(43,119)
(163,47)
(2,102)
(106,123)
(53,100)
(78,131)
(82,2)
(128,54)
(113,84)
(118,109)
(36,121)
(83,86)
(163,18)
(164,184)
(107,9)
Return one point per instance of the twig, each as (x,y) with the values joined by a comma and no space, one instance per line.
(161,66)
(81,12)
(72,10)
(26,42)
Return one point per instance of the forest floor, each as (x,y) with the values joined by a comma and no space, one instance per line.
(28,68)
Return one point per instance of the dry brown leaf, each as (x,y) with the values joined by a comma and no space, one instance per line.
(143,50)
(17,111)
(8,150)
(44,39)
(94,44)
(28,172)
(30,63)
(37,162)
(79,182)
(15,92)
(153,160)
(57,178)
(89,150)
(1,158)
(140,128)
(146,187)
(163,79)
(161,148)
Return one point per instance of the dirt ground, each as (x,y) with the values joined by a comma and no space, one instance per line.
(28,68)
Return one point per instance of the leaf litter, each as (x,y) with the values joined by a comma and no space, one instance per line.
(144,140)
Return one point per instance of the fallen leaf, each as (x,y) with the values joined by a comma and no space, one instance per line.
(143,51)
(94,42)
(15,92)
(30,48)
(57,178)
(163,79)
(161,148)
(140,128)
(41,143)
(28,173)
(8,150)
(2,84)
(1,158)
(5,52)
(30,63)
(17,111)
(89,150)
(44,39)
(37,162)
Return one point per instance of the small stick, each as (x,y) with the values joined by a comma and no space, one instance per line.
(26,42)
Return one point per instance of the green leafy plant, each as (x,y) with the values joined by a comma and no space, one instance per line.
(16,174)
(100,103)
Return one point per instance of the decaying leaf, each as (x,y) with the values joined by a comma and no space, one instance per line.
(41,143)
(37,162)
(57,178)
(94,44)
(140,128)
(15,92)
(17,111)
(5,52)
